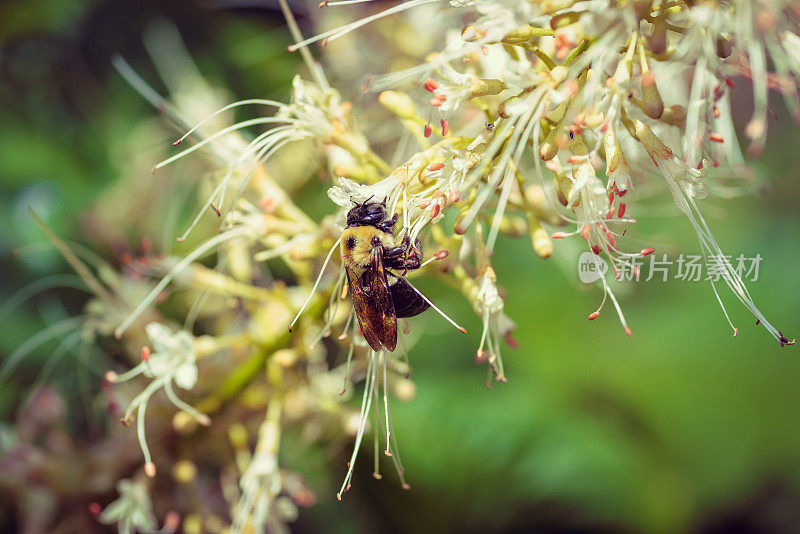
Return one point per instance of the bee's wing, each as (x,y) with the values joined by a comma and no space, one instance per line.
(373,304)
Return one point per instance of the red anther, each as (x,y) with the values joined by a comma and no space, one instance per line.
(425,204)
(436,167)
(324,42)
(559,235)
(699,165)
(510,341)
(427,131)
(124,421)
(716,112)
(95,508)
(216,210)
(445,127)
(616,273)
(610,212)
(150,469)
(604,126)
(176,143)
(715,163)
(717,138)
(610,198)
(594,315)
(552,166)
(647,251)
(628,331)
(267,204)
(485,50)
(441,254)
(172,521)
(431,84)
(323,3)
(717,92)
(596,249)
(729,82)
(145,353)
(480,356)
(125,258)
(438,100)
(454,196)
(462,329)
(621,210)
(620,192)
(612,240)
(435,210)
(585,232)
(574,159)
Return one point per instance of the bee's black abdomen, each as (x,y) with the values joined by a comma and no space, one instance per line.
(407,302)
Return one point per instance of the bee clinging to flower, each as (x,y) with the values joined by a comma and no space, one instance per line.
(380,296)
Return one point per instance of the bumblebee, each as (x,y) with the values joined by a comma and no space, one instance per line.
(373,262)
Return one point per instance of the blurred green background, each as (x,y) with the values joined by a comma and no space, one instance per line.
(680,428)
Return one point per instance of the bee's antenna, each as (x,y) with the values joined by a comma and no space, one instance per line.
(432,305)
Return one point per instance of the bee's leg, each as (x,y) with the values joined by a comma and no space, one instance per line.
(388,225)
(394,257)
(413,256)
(405,256)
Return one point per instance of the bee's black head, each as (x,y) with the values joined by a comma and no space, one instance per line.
(366,214)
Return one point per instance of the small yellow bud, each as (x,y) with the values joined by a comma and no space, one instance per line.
(184,472)
(486,87)
(540,240)
(237,434)
(563,187)
(564,19)
(398,103)
(549,148)
(512,226)
(525,33)
(652,104)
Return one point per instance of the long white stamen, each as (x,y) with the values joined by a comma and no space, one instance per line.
(201,418)
(58,329)
(200,251)
(432,305)
(316,283)
(344,3)
(347,28)
(349,353)
(148,460)
(366,403)
(333,307)
(224,131)
(385,404)
(226,108)
(376,440)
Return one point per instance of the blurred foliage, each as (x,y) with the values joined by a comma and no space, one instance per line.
(680,428)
